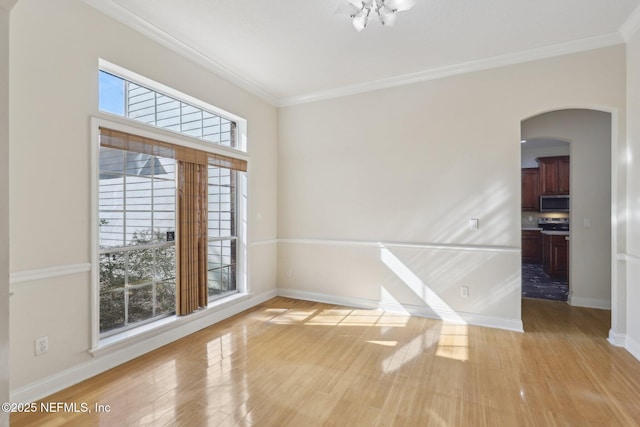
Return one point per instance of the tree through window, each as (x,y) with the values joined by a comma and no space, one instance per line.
(167,229)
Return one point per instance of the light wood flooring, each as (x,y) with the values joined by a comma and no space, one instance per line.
(298,363)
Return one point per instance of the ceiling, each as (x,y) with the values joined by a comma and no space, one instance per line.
(293,51)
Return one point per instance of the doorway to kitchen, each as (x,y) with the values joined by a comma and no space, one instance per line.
(581,196)
(545,167)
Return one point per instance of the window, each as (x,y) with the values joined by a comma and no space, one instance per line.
(167,212)
(136,102)
(221,231)
(137,214)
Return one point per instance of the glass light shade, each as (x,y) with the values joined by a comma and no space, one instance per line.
(388,18)
(360,22)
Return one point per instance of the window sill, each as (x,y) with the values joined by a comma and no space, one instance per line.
(150,330)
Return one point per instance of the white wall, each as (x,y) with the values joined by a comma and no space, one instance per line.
(4,209)
(630,261)
(589,133)
(55,47)
(411,165)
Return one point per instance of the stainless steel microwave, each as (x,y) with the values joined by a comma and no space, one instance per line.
(554,203)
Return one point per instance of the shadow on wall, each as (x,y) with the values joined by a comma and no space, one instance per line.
(424,278)
(429,279)
(411,288)
(416,285)
(445,219)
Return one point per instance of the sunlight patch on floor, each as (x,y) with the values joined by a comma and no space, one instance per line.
(411,350)
(357,317)
(292,317)
(454,342)
(384,343)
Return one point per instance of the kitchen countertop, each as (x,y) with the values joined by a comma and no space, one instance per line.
(555,233)
(531,229)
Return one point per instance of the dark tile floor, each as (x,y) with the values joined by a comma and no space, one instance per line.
(537,284)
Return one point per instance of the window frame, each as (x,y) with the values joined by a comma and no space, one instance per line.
(241,123)
(105,119)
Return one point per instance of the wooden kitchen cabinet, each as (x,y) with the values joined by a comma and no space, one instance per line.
(563,175)
(530,189)
(554,175)
(531,246)
(555,255)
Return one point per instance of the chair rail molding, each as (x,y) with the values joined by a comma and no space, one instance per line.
(48,272)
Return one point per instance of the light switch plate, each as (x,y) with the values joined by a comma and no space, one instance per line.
(474,224)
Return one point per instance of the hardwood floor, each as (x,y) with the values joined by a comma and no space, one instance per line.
(298,363)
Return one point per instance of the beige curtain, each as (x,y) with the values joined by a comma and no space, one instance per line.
(129,142)
(192,244)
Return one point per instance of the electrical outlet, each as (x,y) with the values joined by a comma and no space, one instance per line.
(464,291)
(41,345)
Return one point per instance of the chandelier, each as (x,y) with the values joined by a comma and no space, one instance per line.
(361,11)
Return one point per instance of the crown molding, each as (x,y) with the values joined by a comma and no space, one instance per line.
(631,25)
(133,21)
(468,67)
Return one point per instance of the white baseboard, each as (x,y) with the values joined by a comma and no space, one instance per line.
(616,339)
(604,304)
(103,362)
(632,347)
(414,310)
(623,340)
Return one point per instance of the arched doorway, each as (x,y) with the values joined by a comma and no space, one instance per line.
(590,243)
